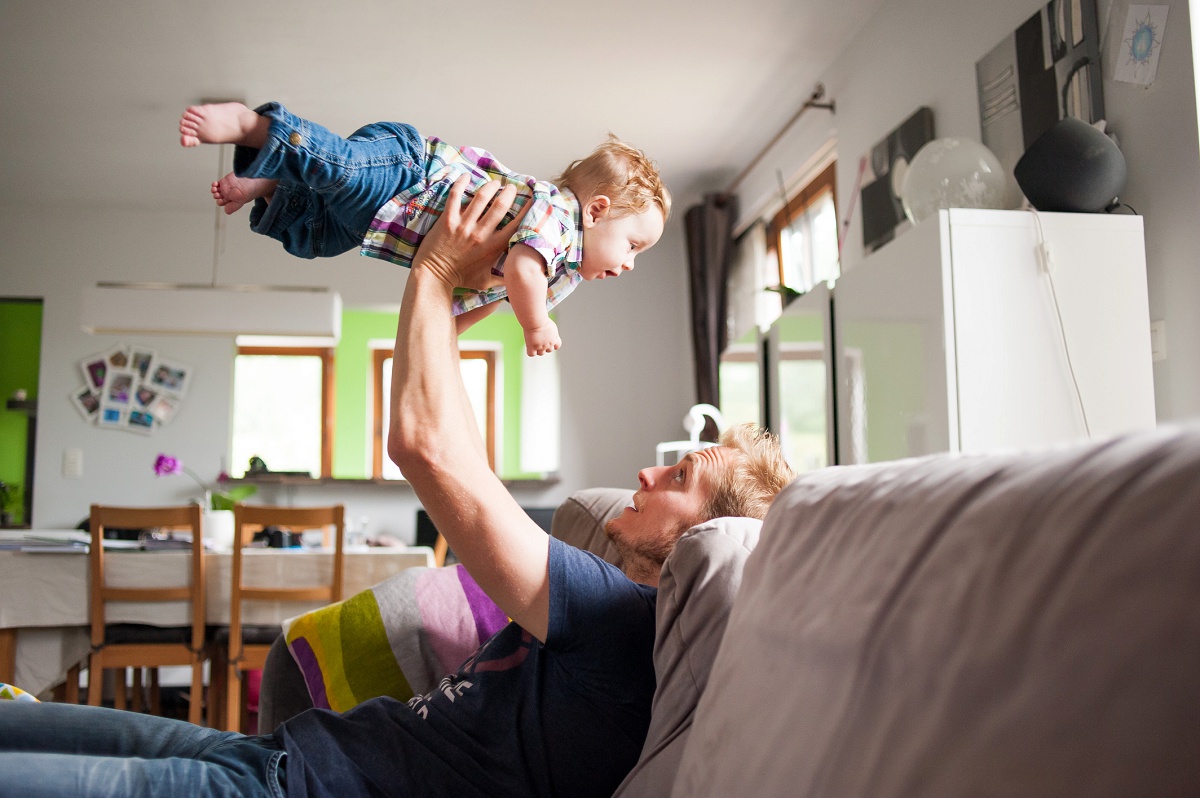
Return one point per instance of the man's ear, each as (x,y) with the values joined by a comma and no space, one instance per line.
(595,209)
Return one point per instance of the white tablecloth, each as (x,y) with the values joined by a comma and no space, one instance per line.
(45,595)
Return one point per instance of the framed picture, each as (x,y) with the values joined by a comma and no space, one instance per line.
(86,401)
(164,408)
(140,421)
(118,357)
(111,416)
(882,211)
(94,370)
(170,377)
(1045,70)
(119,387)
(141,361)
(144,397)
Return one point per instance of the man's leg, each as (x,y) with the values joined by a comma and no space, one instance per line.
(64,749)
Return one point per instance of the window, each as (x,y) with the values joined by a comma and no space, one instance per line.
(285,410)
(479,377)
(282,409)
(804,235)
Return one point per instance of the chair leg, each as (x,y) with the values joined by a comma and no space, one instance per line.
(95,691)
(137,703)
(196,698)
(216,688)
(71,686)
(155,692)
(233,698)
(119,694)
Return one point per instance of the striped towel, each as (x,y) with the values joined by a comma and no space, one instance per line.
(397,638)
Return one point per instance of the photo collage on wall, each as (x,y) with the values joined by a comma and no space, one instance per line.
(130,388)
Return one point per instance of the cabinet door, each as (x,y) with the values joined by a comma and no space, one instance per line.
(800,388)
(1016,376)
(890,325)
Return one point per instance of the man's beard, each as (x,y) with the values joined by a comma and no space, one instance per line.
(652,549)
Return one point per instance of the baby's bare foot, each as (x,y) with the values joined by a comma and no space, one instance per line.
(221,123)
(232,192)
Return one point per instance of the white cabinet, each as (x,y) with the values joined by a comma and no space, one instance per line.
(948,338)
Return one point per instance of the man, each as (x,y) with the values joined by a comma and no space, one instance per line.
(557,703)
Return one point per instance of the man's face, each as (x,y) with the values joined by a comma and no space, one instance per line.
(670,500)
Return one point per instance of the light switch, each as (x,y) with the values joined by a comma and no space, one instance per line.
(72,463)
(1158,341)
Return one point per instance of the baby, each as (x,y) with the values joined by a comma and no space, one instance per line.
(382,189)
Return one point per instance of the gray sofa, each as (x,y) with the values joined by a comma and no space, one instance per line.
(1008,624)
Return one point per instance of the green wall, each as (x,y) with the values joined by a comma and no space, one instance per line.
(352,378)
(20,351)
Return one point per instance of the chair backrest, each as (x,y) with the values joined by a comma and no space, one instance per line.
(186,517)
(248,519)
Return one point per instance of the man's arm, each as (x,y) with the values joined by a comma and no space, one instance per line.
(433,437)
(525,282)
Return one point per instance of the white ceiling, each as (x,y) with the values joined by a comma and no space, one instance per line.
(92,90)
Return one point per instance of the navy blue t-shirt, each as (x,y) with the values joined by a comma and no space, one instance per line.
(520,718)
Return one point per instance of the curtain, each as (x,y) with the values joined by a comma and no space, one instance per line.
(709,230)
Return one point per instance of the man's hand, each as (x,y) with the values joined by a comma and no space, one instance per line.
(461,249)
(542,340)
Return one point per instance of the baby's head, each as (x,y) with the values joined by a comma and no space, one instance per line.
(624,206)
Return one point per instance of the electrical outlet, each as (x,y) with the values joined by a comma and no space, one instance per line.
(1158,341)
(72,463)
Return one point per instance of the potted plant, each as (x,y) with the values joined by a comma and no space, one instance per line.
(10,500)
(218,503)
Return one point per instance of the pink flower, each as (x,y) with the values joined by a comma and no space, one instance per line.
(166,465)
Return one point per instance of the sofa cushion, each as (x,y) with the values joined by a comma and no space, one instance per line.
(695,594)
(1018,624)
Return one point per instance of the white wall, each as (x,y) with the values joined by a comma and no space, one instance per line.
(923,52)
(625,366)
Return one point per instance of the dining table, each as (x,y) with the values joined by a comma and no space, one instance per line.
(44,591)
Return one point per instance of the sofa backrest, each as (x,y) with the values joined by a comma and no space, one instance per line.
(1020,624)
(580,520)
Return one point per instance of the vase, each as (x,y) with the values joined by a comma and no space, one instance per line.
(218,529)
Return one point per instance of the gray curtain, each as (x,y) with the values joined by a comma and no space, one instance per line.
(709,229)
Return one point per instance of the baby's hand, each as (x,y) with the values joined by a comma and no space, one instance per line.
(542,340)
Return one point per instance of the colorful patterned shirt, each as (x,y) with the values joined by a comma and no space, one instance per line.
(552,227)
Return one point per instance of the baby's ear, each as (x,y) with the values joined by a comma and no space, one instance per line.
(597,208)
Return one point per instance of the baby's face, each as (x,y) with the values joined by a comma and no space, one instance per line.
(610,243)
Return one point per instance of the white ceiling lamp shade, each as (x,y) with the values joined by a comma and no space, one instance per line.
(150,308)
(174,309)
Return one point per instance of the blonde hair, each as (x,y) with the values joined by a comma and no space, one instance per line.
(760,471)
(620,172)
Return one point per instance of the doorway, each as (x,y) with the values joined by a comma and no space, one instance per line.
(20,357)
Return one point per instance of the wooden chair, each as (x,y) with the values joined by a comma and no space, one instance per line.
(139,646)
(245,647)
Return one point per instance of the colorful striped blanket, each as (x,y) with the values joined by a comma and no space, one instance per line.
(397,638)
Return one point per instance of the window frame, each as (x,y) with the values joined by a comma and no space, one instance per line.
(796,206)
(326,355)
(379,446)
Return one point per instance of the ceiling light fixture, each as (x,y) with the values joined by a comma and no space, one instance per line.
(152,308)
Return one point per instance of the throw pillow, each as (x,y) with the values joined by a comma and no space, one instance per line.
(695,594)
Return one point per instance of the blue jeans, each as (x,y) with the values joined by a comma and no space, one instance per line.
(330,188)
(69,750)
